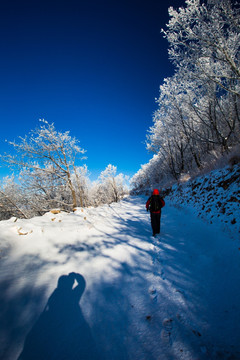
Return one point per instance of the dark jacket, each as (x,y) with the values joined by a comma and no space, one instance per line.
(148,203)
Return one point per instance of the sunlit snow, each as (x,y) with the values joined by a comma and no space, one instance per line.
(172,297)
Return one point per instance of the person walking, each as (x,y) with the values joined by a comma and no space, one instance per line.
(155,203)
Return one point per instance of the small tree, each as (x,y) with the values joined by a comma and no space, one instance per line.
(82,184)
(110,186)
(48,156)
(11,199)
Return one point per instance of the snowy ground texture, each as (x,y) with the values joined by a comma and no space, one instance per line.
(172,297)
(214,197)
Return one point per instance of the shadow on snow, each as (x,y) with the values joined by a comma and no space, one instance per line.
(61,332)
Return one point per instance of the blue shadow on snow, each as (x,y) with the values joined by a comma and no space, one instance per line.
(61,332)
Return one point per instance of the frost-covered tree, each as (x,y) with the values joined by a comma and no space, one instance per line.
(172,136)
(12,199)
(110,187)
(47,159)
(82,185)
(204,38)
(155,174)
(44,191)
(198,107)
(48,175)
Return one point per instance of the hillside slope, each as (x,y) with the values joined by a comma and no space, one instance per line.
(214,197)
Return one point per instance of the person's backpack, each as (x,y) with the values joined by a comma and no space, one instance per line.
(155,203)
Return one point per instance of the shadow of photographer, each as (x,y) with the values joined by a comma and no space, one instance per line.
(61,332)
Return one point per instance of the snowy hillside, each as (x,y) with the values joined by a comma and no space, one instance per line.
(214,197)
(94,284)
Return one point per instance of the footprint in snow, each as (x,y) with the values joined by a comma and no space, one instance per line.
(167,331)
(153,293)
(158,262)
(162,274)
(168,324)
(180,295)
(181,319)
(158,269)
(153,260)
(154,256)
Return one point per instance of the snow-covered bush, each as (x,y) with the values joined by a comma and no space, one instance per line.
(12,199)
(110,187)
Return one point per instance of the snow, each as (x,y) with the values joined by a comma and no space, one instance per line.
(176,296)
(215,197)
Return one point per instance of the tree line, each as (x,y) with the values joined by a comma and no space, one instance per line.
(198,115)
(46,175)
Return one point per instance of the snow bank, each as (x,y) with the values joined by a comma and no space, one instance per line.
(214,197)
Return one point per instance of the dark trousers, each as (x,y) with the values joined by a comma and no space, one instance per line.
(155,222)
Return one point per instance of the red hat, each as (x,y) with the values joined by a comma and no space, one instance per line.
(155,192)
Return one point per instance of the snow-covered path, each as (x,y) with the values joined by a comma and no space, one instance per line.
(173,297)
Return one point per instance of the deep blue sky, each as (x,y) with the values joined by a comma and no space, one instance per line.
(91,67)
